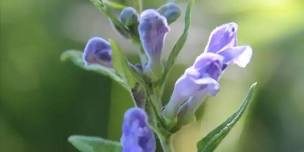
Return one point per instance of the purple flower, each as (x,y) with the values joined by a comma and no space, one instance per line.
(201,79)
(152,29)
(136,134)
(98,51)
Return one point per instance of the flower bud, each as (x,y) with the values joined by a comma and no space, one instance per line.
(136,134)
(128,16)
(98,51)
(152,29)
(171,11)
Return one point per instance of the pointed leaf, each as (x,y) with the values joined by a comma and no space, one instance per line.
(114,5)
(121,65)
(182,39)
(214,138)
(76,57)
(94,144)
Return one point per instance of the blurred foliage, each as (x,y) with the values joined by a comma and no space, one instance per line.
(43,100)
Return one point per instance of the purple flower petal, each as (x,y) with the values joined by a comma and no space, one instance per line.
(205,70)
(152,28)
(222,37)
(136,134)
(208,85)
(240,55)
(199,79)
(209,64)
(97,51)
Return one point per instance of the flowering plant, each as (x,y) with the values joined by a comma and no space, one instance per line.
(151,120)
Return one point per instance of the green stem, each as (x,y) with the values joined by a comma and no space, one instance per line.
(166,143)
(139,5)
(156,120)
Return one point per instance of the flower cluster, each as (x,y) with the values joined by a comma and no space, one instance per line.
(151,27)
(200,80)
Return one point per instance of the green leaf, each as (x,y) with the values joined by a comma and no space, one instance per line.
(121,64)
(76,57)
(114,5)
(94,144)
(177,47)
(182,39)
(213,139)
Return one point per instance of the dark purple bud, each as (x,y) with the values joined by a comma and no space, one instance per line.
(171,11)
(128,16)
(98,51)
(136,134)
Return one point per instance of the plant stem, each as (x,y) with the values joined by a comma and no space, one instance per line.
(166,143)
(139,5)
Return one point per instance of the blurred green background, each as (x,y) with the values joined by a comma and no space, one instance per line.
(43,100)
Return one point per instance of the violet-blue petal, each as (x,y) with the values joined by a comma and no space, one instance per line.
(98,51)
(186,112)
(194,102)
(152,29)
(199,79)
(187,88)
(240,55)
(222,37)
(209,64)
(136,134)
(206,67)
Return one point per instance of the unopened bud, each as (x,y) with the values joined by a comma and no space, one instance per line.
(171,11)
(128,16)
